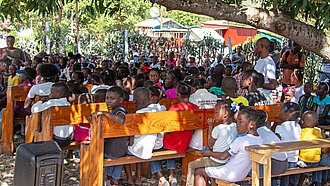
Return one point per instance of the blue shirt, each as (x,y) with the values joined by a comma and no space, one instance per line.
(323,103)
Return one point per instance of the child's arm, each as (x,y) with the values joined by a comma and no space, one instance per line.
(325,112)
(314,108)
(218,155)
(211,140)
(120,118)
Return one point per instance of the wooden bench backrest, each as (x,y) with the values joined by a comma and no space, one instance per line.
(156,122)
(66,115)
(272,111)
(17,93)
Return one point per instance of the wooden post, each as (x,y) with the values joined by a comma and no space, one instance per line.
(255,173)
(267,170)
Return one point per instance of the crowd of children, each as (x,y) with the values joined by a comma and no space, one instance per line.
(147,81)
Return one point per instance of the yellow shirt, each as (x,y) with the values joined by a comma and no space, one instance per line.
(13,81)
(310,155)
(240,99)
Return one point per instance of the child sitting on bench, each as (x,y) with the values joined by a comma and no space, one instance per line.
(142,145)
(229,86)
(239,164)
(220,138)
(114,147)
(289,131)
(310,157)
(59,94)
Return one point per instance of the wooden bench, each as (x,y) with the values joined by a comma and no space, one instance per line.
(262,154)
(41,128)
(16,93)
(92,161)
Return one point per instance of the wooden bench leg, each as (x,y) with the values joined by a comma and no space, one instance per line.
(8,129)
(92,157)
(267,170)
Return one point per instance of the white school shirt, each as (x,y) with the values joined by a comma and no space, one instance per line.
(63,131)
(95,88)
(224,135)
(290,131)
(204,100)
(40,90)
(267,67)
(155,66)
(158,108)
(239,164)
(143,144)
(269,137)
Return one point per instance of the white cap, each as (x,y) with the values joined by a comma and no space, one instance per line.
(191,56)
(135,54)
(151,55)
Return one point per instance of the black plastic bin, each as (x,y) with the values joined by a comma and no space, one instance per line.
(39,163)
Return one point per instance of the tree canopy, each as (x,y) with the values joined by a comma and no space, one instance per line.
(303,21)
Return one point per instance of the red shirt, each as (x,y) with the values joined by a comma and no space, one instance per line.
(179,141)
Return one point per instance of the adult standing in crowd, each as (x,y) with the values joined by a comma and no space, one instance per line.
(265,65)
(290,61)
(238,57)
(10,52)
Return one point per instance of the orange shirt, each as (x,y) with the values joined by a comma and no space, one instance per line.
(292,59)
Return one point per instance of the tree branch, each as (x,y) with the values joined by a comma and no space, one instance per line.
(305,35)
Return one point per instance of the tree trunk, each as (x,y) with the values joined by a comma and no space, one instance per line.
(305,35)
(77,26)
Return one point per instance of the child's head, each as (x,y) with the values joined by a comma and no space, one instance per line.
(309,119)
(247,121)
(74,86)
(173,76)
(12,70)
(215,80)
(262,118)
(148,84)
(228,70)
(85,98)
(141,97)
(223,111)
(289,93)
(48,72)
(100,95)
(183,90)
(109,77)
(28,74)
(114,97)
(246,66)
(227,61)
(138,81)
(155,94)
(194,83)
(123,72)
(322,89)
(59,90)
(219,69)
(289,112)
(78,76)
(163,74)
(249,79)
(229,85)
(154,75)
(261,80)
(308,88)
